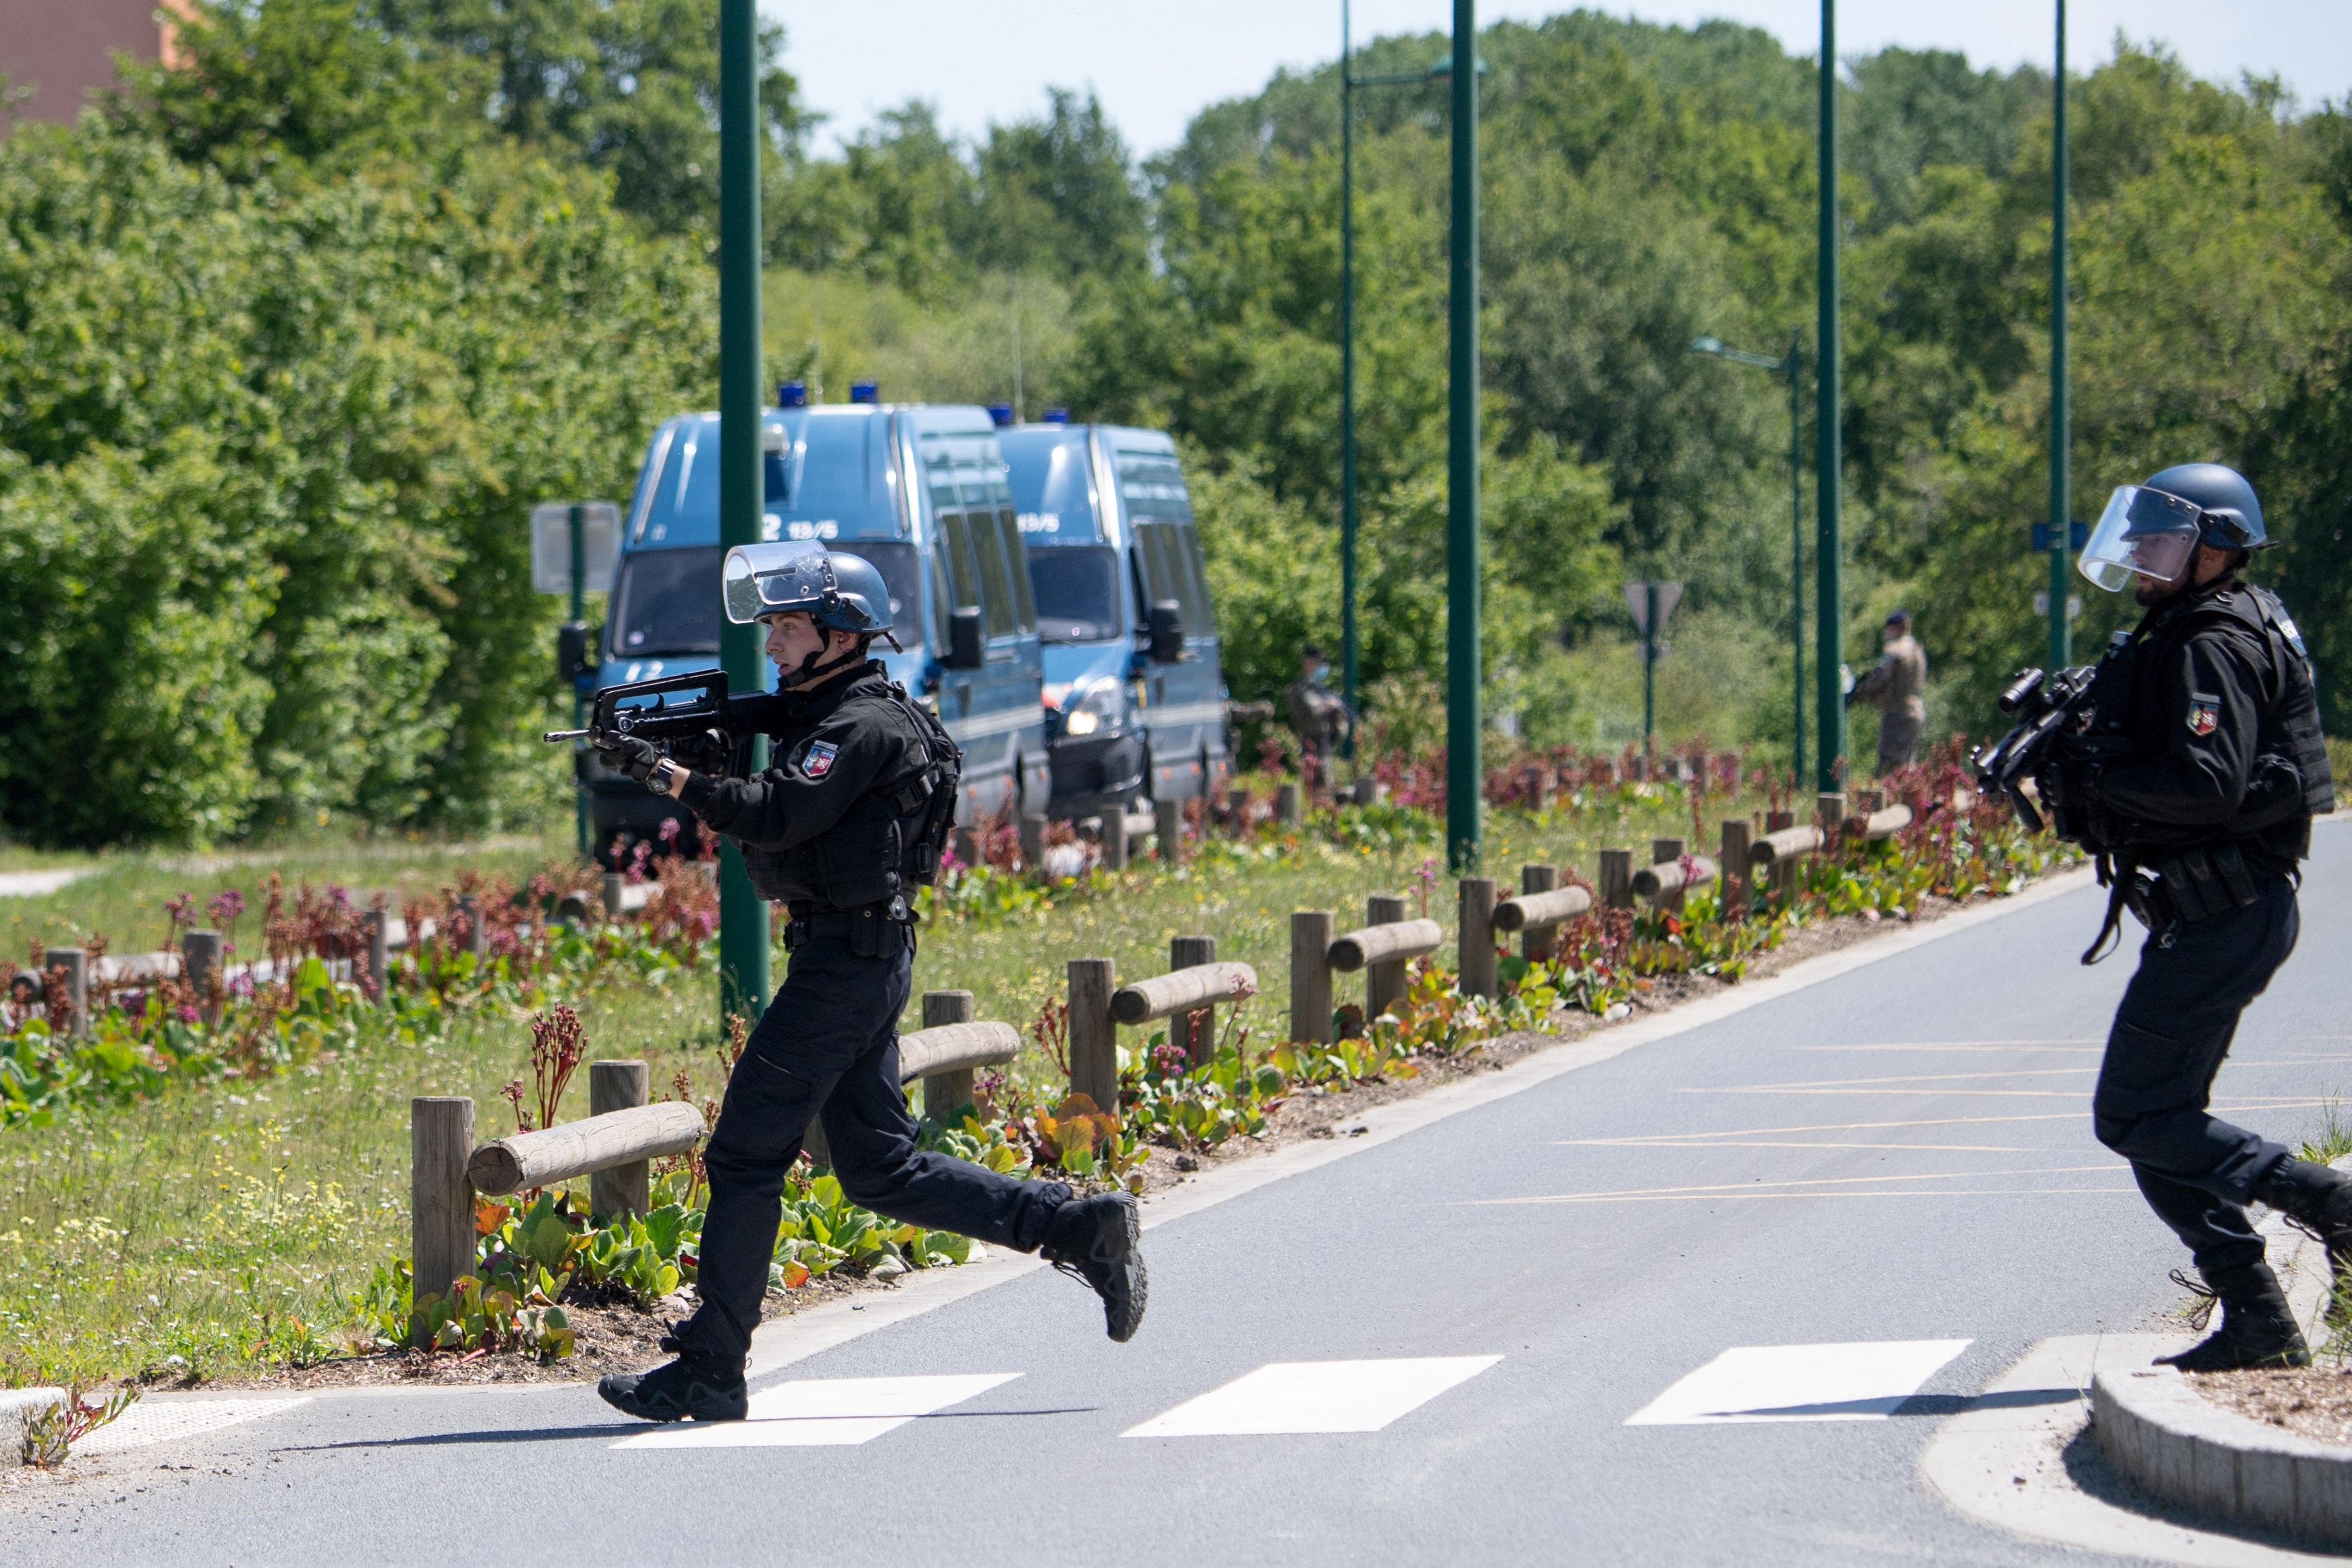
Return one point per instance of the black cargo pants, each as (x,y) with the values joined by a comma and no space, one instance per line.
(2174,1026)
(828,1045)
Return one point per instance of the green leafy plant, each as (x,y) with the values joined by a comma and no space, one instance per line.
(50,1433)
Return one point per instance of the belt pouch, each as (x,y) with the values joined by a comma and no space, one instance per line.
(2237,878)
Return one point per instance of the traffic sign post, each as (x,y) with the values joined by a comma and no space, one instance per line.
(573,546)
(1651,603)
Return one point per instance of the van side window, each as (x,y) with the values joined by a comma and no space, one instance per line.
(980,536)
(1167,547)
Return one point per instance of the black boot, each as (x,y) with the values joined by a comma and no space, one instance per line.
(2315,1198)
(1097,1240)
(694,1387)
(2257,1328)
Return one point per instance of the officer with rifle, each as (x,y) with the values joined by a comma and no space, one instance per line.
(2190,762)
(842,830)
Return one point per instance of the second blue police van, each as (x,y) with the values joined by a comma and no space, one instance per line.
(920,492)
(1134,696)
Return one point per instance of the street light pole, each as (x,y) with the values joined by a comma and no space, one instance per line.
(1465,769)
(1346,373)
(2062,641)
(742,917)
(1828,456)
(1790,365)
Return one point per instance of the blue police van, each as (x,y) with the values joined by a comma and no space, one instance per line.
(920,492)
(1135,700)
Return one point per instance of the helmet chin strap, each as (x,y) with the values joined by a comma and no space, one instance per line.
(814,663)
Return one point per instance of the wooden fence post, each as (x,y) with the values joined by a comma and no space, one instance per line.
(1237,807)
(1617,878)
(379,953)
(1661,851)
(614,883)
(1033,842)
(1093,1040)
(623,1189)
(1196,1030)
(1737,877)
(1383,982)
(1112,836)
(1536,941)
(944,1091)
(1867,802)
(1474,935)
(1830,810)
(200,966)
(75,962)
(1168,830)
(1784,869)
(440,1198)
(1285,804)
(469,910)
(1368,790)
(1311,932)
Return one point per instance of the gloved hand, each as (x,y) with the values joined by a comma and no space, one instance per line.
(628,754)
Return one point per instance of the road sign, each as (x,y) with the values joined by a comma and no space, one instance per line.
(2073,604)
(551,546)
(1637,599)
(2078,534)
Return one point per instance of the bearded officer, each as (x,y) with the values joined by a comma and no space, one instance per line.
(2195,781)
(834,832)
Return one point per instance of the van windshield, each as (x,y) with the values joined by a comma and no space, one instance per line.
(666,604)
(900,575)
(1077,593)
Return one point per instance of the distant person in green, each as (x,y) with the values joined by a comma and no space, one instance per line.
(1319,716)
(1895,687)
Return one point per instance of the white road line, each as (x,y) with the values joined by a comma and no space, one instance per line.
(827,1412)
(1862,1382)
(1878,1179)
(1315,1396)
(160,1421)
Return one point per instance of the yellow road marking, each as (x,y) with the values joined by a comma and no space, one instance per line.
(1841,1127)
(1661,1142)
(1759,1185)
(1716,1197)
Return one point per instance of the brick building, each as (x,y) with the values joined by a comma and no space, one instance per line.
(61,49)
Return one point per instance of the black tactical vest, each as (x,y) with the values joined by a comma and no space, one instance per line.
(862,859)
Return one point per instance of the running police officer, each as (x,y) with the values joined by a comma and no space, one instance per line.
(2194,780)
(840,831)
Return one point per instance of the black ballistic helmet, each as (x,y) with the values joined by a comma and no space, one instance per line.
(2231,518)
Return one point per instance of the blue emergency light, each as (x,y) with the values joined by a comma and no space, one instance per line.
(791,395)
(1000,415)
(864,391)
(1057,416)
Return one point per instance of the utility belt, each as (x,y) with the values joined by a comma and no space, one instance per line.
(2195,885)
(873,930)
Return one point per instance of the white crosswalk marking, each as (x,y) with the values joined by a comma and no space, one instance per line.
(1315,1396)
(1862,1382)
(825,1412)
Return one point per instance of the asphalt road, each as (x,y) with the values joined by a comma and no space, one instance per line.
(1896,1161)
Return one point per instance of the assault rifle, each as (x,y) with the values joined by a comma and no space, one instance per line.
(710,731)
(2045,708)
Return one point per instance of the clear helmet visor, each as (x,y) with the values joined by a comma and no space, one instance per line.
(767,579)
(2143,533)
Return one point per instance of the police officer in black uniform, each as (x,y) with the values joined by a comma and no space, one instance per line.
(833,831)
(2195,780)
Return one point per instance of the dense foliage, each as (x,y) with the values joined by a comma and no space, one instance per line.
(292,338)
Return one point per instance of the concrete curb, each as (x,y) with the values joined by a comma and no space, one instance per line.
(17,1406)
(2188,1450)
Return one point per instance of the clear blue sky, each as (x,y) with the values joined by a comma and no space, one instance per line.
(1156,62)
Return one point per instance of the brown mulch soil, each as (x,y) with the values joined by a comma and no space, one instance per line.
(2312,1401)
(620,1338)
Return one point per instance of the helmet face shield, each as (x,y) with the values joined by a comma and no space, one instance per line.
(2143,533)
(770,579)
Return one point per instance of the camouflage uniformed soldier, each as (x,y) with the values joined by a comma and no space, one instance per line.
(1318,715)
(1893,686)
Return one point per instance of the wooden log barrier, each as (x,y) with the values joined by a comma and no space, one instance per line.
(1783,866)
(1787,844)
(440,1197)
(1392,942)
(1093,1038)
(580,1148)
(1535,942)
(1474,943)
(1883,824)
(1668,880)
(1384,973)
(1310,975)
(626,1188)
(1540,912)
(954,1046)
(1663,852)
(1736,857)
(1202,984)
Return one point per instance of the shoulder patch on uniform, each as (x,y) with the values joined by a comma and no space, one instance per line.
(819,760)
(2204,713)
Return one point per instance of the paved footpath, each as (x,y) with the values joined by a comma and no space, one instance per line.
(1705,1297)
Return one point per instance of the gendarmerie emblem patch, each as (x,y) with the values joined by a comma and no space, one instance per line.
(819,760)
(2204,713)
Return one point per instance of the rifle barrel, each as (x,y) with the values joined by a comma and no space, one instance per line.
(554,735)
